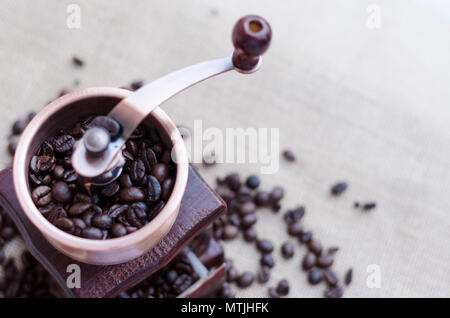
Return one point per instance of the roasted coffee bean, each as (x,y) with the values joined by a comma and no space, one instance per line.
(154,189)
(131,194)
(79,208)
(136,85)
(44,163)
(63,143)
(61,192)
(315,276)
(267,260)
(356,205)
(117,209)
(289,155)
(55,213)
(149,158)
(7,232)
(81,197)
(131,229)
(225,291)
(305,237)
(156,209)
(70,176)
(18,127)
(182,283)
(131,147)
(230,232)
(167,187)
(136,215)
(77,61)
(277,194)
(118,230)
(65,224)
(338,188)
(110,189)
(263,274)
(231,274)
(171,275)
(315,246)
(248,220)
(245,280)
(247,208)
(111,125)
(12,147)
(42,195)
(325,261)
(160,171)
(102,221)
(137,171)
(252,182)
(233,181)
(125,180)
(283,287)
(264,246)
(272,292)
(294,215)
(79,225)
(287,250)
(348,277)
(333,250)
(295,229)
(209,159)
(309,261)
(58,172)
(369,206)
(244,194)
(92,233)
(330,277)
(262,198)
(335,292)
(158,149)
(250,235)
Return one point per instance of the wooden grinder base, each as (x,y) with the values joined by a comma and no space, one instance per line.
(199,207)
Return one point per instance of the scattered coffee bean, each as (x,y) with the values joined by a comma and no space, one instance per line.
(136,85)
(277,194)
(289,155)
(232,274)
(233,181)
(287,250)
(250,235)
(12,146)
(252,182)
(77,61)
(315,246)
(262,198)
(247,208)
(369,206)
(335,292)
(325,261)
(283,287)
(209,159)
(263,274)
(339,188)
(330,277)
(245,280)
(18,127)
(305,237)
(267,260)
(264,246)
(230,232)
(294,215)
(295,229)
(309,261)
(333,250)
(315,276)
(249,220)
(356,205)
(348,277)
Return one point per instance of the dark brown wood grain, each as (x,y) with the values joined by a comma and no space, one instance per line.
(199,207)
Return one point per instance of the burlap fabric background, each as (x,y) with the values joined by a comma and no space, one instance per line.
(366,106)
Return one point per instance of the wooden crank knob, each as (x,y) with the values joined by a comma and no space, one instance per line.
(251,38)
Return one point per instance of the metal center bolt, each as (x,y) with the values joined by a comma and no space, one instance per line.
(96,140)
